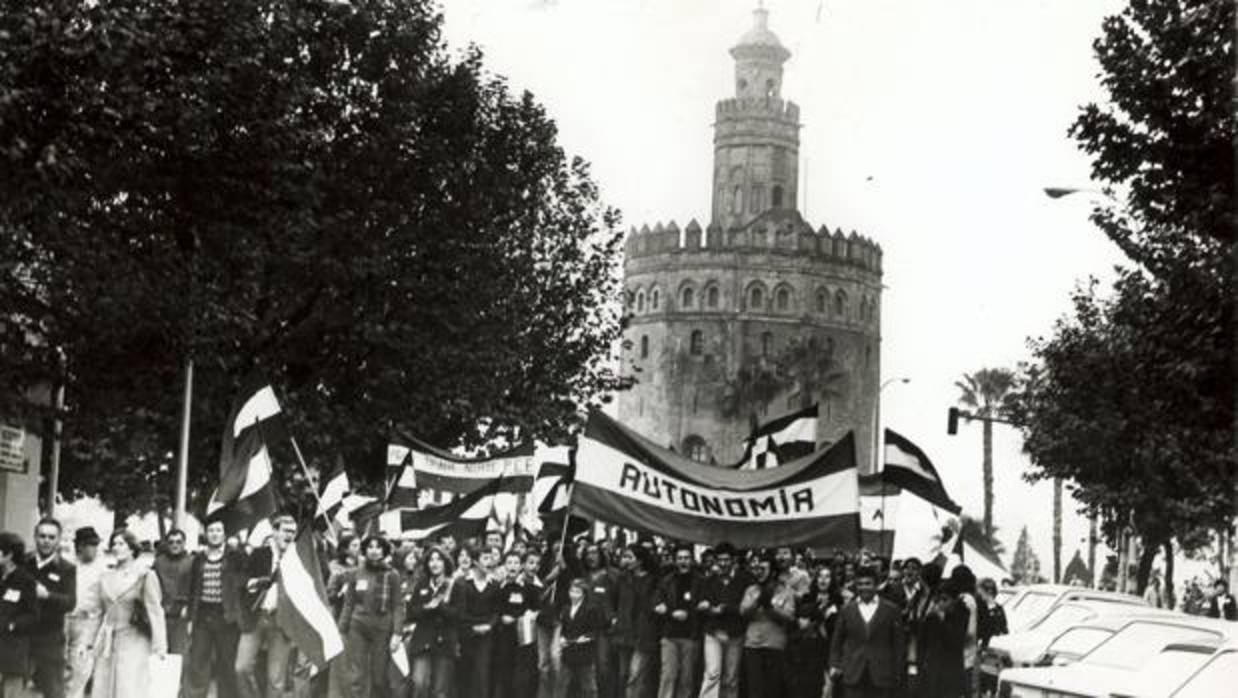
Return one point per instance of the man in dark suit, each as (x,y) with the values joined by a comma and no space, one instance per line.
(866,652)
(259,631)
(56,594)
(1222,604)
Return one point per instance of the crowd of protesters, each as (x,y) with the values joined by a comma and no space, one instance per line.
(491,618)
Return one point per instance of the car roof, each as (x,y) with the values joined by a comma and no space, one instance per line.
(1226,629)
(1120,619)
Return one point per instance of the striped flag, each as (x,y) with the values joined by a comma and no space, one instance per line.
(246,495)
(335,489)
(303,612)
(878,513)
(465,517)
(554,477)
(781,440)
(445,476)
(907,466)
(255,414)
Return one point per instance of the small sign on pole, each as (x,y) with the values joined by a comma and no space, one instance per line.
(13,449)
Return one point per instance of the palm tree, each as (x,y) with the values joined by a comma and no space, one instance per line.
(971,530)
(984,394)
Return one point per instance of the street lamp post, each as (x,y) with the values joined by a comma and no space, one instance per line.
(877,420)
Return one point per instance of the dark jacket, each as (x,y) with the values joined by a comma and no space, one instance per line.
(474,606)
(679,593)
(233,577)
(603,588)
(580,632)
(175,578)
(1226,609)
(941,672)
(59,577)
(635,624)
(727,592)
(433,618)
(19,614)
(372,599)
(877,646)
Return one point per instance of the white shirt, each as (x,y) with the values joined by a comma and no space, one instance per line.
(867,610)
(88,575)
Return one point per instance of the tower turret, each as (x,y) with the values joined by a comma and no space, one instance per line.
(756,133)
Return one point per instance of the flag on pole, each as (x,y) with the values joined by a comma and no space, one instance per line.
(422,467)
(334,490)
(781,440)
(465,517)
(255,415)
(303,612)
(245,495)
(878,513)
(909,468)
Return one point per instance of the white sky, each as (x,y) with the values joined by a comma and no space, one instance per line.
(957,109)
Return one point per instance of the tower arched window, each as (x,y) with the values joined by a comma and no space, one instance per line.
(687,298)
(695,448)
(640,301)
(757,202)
(696,343)
(840,304)
(711,298)
(738,202)
(655,299)
(756,298)
(767,343)
(775,198)
(823,302)
(644,346)
(782,301)
(771,88)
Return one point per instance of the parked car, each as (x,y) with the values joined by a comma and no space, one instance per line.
(1117,661)
(1030,647)
(1215,679)
(1033,602)
(1169,672)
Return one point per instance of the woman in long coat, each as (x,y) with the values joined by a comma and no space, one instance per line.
(123,651)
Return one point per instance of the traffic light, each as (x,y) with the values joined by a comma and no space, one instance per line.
(952,421)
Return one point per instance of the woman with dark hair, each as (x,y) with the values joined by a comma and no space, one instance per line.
(18,613)
(431,630)
(963,585)
(635,631)
(133,624)
(371,620)
(808,646)
(943,634)
(582,623)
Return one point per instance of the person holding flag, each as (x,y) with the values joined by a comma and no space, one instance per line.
(259,628)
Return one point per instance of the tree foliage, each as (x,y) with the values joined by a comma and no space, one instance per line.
(318,189)
(985,394)
(1132,395)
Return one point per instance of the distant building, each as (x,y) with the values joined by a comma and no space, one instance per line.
(757,314)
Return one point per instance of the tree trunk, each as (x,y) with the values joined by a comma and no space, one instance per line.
(1168,589)
(988,480)
(1092,553)
(1146,557)
(1057,530)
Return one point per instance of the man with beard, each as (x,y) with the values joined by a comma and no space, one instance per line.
(56,594)
(216,579)
(867,650)
(675,603)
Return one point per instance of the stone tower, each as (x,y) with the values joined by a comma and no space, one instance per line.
(757,314)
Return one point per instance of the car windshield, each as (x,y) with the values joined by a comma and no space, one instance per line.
(1136,644)
(1004,595)
(1167,670)
(1062,618)
(1077,642)
(1215,679)
(1030,606)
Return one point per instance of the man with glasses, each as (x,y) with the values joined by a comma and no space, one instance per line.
(56,594)
(173,566)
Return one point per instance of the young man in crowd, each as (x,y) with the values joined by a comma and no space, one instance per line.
(675,604)
(867,650)
(259,630)
(514,597)
(602,579)
(1222,604)
(18,614)
(56,593)
(83,622)
(723,625)
(172,566)
(636,638)
(215,610)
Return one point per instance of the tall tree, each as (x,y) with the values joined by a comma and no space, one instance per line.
(316,188)
(984,394)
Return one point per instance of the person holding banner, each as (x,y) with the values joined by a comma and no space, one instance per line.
(371,621)
(431,630)
(259,629)
(675,603)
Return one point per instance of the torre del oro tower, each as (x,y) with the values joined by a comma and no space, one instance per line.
(757,314)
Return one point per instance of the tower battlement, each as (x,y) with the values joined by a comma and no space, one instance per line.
(758,107)
(787,238)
